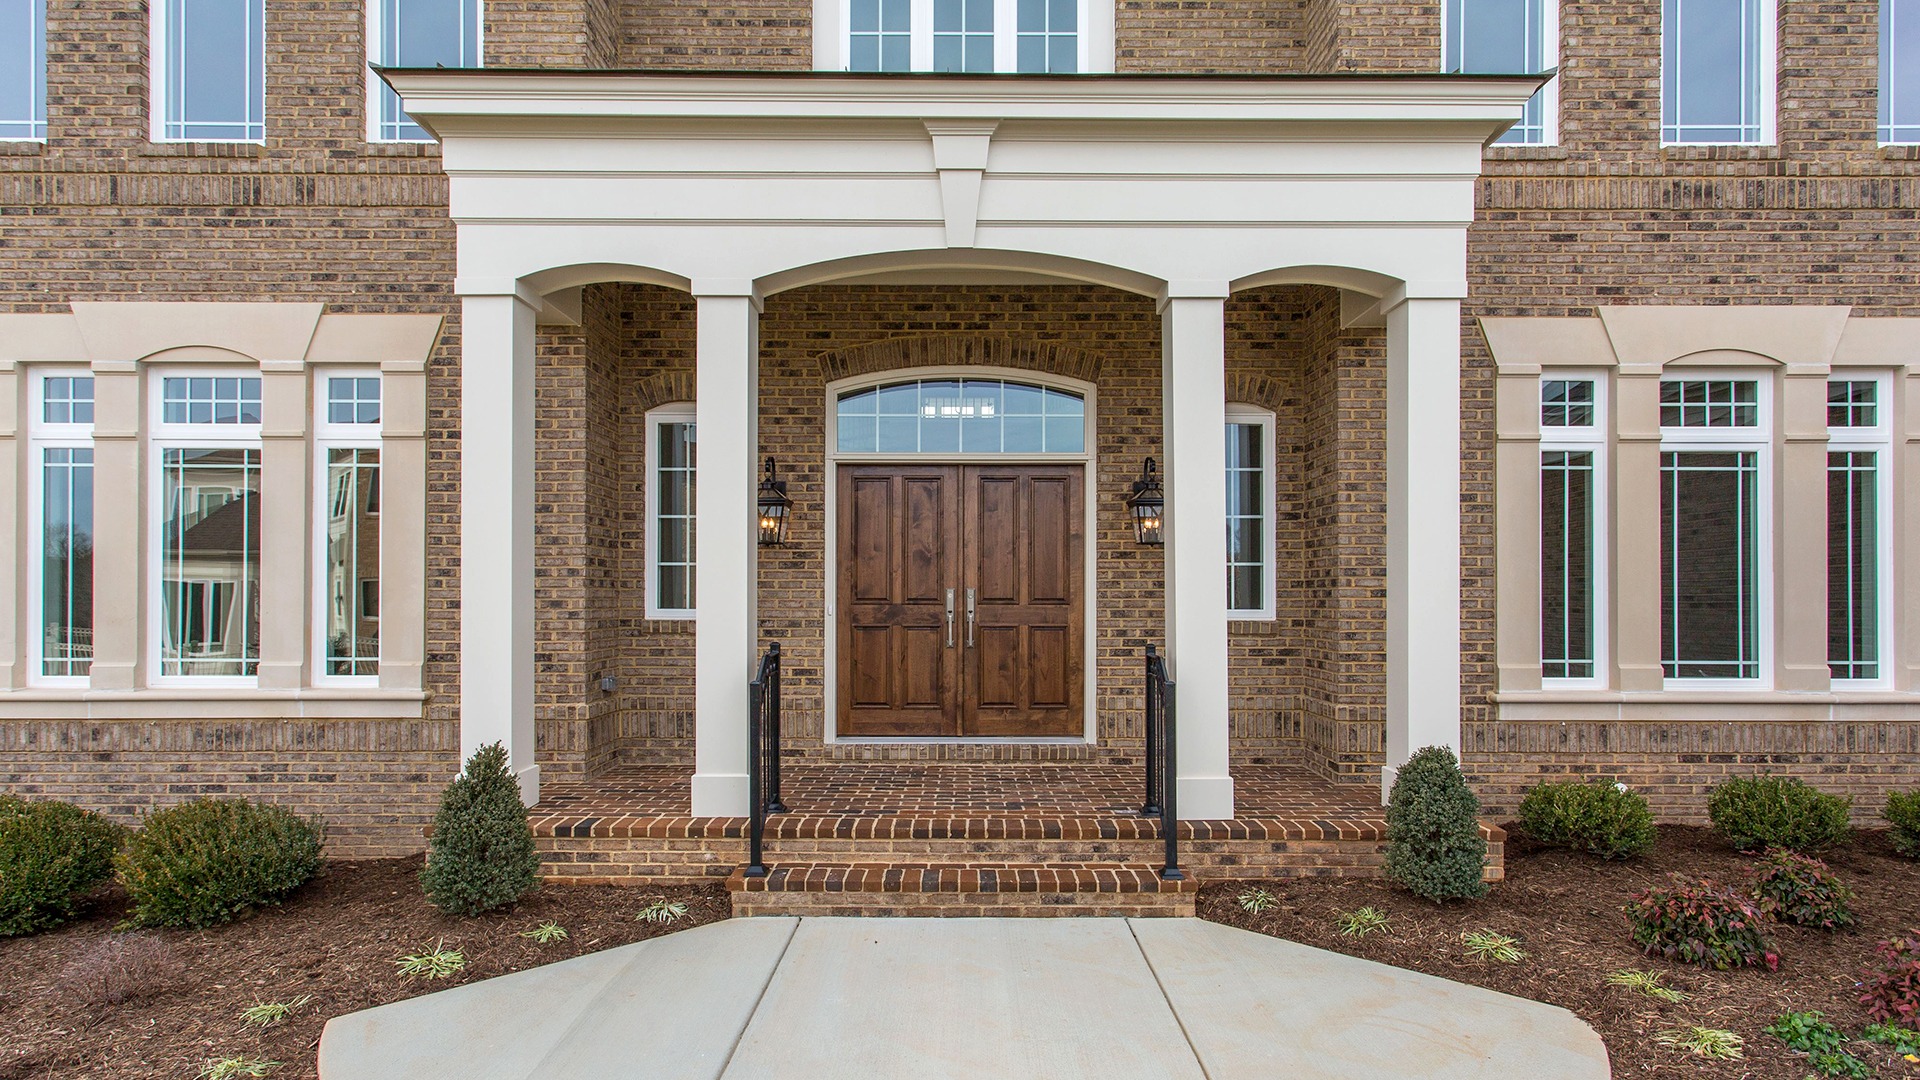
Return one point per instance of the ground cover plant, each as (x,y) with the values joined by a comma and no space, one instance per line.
(1608,820)
(1758,812)
(1565,906)
(51,855)
(211,861)
(1801,890)
(1890,986)
(1699,922)
(233,992)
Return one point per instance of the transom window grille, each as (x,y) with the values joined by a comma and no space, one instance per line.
(1709,403)
(1026,36)
(212,77)
(1858,516)
(353,400)
(671,545)
(1250,534)
(23,69)
(1507,37)
(1718,71)
(1566,403)
(67,399)
(210,400)
(1900,71)
(417,33)
(961,416)
(1853,404)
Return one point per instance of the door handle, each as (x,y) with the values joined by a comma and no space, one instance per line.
(969,618)
(949,618)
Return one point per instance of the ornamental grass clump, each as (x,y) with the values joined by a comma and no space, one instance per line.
(1608,820)
(1801,890)
(1698,922)
(211,861)
(1758,812)
(481,855)
(1434,846)
(1903,814)
(52,854)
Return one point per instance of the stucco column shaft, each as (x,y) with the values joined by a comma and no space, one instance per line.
(119,529)
(1800,558)
(1423,529)
(1634,575)
(1193,395)
(726,632)
(284,478)
(496,531)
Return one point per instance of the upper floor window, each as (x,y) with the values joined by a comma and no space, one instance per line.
(1022,36)
(1900,71)
(1717,71)
(23,69)
(209,70)
(416,33)
(1509,37)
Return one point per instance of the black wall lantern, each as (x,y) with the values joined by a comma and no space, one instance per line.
(774,506)
(1146,504)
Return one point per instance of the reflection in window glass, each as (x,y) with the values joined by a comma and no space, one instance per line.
(353,400)
(422,33)
(351,585)
(215,70)
(1502,37)
(673,526)
(1246,517)
(1709,564)
(974,416)
(210,561)
(1566,564)
(1712,91)
(66,561)
(1566,403)
(23,69)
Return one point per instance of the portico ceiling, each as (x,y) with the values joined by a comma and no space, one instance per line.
(1153,184)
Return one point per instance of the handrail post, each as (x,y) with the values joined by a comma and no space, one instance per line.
(774,805)
(1151,806)
(1170,783)
(756,808)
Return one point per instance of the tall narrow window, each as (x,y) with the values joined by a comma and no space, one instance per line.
(207,507)
(1713,525)
(881,37)
(61,589)
(416,33)
(1572,449)
(1900,71)
(670,545)
(210,67)
(347,580)
(23,69)
(1508,37)
(1250,533)
(1718,71)
(1858,447)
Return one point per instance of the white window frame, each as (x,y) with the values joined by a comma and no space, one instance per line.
(327,436)
(376,45)
(1549,95)
(1594,439)
(679,412)
(1879,439)
(161,76)
(161,437)
(1759,441)
(1269,548)
(833,45)
(1888,124)
(42,436)
(36,118)
(1768,76)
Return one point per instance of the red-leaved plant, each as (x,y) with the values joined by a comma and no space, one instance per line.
(1794,888)
(1891,992)
(1699,922)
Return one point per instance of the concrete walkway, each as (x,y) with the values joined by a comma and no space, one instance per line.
(896,999)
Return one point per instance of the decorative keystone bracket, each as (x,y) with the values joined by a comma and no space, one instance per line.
(960,155)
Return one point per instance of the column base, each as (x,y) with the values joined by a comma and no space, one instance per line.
(720,794)
(529,779)
(1388,774)
(1206,798)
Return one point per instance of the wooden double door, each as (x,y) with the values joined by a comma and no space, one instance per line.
(961,600)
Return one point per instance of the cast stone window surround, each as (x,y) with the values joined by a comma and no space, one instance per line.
(1505,37)
(963,35)
(23,67)
(417,33)
(207,67)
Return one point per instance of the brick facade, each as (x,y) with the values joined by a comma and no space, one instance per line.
(319,214)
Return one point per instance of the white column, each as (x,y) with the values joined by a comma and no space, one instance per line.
(496,530)
(1423,528)
(727,629)
(1193,397)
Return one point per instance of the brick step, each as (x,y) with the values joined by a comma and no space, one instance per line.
(960,889)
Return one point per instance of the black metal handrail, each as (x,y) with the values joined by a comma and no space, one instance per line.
(763,757)
(1161,755)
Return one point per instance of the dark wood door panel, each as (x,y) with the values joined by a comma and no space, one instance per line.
(1024,553)
(899,554)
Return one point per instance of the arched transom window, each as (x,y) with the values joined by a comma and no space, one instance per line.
(961,416)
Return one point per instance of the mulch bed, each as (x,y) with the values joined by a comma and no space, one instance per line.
(336,940)
(1566,910)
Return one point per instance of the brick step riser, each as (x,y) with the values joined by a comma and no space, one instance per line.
(965,905)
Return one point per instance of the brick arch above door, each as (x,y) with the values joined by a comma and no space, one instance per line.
(958,350)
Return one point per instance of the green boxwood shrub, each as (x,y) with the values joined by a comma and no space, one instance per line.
(211,861)
(51,855)
(1699,922)
(1903,813)
(1794,888)
(1434,846)
(1608,820)
(1778,811)
(481,854)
